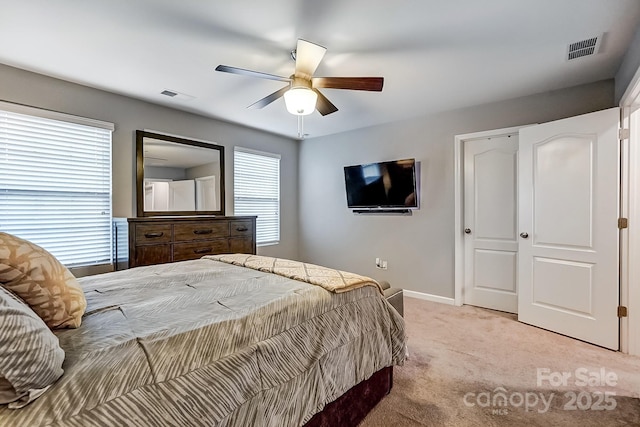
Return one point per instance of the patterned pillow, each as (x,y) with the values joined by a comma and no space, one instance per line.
(30,354)
(41,281)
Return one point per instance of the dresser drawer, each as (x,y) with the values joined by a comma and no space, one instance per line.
(185,251)
(241,228)
(200,230)
(152,254)
(153,233)
(240,245)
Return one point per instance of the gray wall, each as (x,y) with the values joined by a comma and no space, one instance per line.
(129,114)
(159,172)
(208,169)
(630,65)
(419,248)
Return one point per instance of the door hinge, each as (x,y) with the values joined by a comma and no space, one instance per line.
(623,134)
(623,223)
(622,311)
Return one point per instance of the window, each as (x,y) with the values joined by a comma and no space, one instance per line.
(256,188)
(55,183)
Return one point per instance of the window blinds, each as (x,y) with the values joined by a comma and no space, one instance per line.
(257,191)
(55,183)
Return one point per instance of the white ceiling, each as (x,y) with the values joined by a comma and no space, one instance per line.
(172,155)
(435,55)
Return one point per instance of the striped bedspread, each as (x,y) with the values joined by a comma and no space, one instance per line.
(205,343)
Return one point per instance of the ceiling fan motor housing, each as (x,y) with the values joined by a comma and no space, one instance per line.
(300,82)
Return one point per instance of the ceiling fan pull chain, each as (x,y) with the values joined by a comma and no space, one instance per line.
(300,128)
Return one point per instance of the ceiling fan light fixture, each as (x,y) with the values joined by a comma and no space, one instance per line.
(300,101)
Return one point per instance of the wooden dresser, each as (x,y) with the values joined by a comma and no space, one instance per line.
(157,240)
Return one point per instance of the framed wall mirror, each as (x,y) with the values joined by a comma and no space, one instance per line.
(178,176)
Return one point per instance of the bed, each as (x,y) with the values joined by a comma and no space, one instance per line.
(207,342)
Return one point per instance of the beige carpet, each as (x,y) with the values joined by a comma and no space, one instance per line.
(464,359)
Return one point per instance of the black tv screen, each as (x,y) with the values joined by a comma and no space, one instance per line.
(382,185)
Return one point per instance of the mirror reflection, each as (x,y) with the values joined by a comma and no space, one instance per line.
(180,176)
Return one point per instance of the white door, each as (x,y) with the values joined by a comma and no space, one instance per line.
(156,195)
(568,267)
(182,195)
(206,198)
(491,222)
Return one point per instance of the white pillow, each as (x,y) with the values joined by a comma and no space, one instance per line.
(30,354)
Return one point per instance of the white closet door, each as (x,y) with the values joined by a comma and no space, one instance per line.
(491,222)
(182,195)
(568,251)
(206,197)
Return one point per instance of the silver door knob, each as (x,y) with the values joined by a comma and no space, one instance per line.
(467,230)
(524,234)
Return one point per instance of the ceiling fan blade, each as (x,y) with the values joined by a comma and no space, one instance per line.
(250,73)
(269,99)
(353,83)
(323,105)
(308,57)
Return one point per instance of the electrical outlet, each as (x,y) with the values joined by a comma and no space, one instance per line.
(380,263)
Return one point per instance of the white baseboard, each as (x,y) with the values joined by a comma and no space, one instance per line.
(428,297)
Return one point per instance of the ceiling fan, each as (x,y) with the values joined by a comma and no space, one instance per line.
(301,95)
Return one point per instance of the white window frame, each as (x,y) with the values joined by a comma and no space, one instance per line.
(242,200)
(44,234)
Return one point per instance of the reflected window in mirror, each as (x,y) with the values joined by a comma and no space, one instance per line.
(178,176)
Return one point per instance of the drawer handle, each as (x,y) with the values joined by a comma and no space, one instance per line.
(241,228)
(201,251)
(152,235)
(207,231)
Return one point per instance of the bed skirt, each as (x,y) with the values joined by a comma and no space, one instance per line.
(352,407)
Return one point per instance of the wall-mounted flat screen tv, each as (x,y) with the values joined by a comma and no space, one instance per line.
(383,185)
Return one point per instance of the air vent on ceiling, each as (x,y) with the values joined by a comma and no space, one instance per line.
(582,48)
(176,95)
